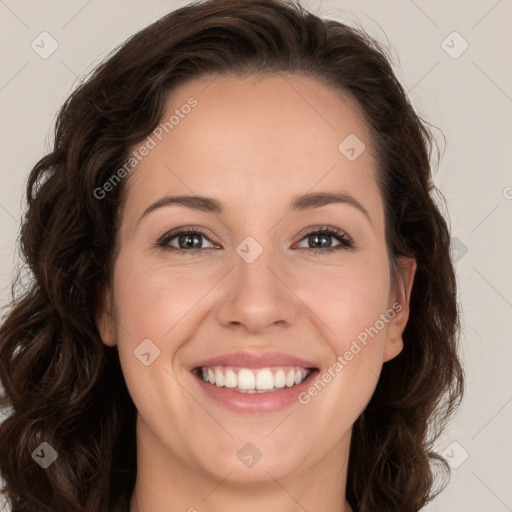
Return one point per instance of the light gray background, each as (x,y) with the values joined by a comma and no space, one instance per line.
(469,98)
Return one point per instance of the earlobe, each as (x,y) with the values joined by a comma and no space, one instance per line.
(392,348)
(104,318)
(401,304)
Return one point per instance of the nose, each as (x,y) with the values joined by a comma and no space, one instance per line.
(257,297)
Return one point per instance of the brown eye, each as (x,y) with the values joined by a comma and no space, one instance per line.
(186,240)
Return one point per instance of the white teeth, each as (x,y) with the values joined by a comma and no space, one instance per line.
(279,379)
(265,379)
(290,378)
(230,380)
(246,379)
(219,378)
(254,380)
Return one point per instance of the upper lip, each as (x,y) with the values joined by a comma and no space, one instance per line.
(252,360)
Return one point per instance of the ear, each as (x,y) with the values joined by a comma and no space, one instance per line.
(399,303)
(104,317)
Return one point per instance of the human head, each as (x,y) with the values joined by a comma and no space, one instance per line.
(68,243)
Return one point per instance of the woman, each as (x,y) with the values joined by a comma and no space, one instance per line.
(242,293)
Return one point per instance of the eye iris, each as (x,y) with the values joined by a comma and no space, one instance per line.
(185,241)
(314,239)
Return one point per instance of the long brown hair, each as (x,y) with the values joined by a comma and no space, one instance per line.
(66,388)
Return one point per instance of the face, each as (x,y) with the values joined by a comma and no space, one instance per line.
(276,290)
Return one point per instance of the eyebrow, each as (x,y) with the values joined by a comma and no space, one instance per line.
(299,203)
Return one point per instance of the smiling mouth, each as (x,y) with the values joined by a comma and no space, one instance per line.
(253,380)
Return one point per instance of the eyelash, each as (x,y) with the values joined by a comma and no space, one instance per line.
(346,242)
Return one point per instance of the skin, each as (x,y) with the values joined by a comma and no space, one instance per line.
(253,144)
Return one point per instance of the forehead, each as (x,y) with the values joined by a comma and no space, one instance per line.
(255,139)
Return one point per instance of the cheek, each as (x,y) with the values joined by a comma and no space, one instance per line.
(152,300)
(154,310)
(160,304)
(349,298)
(352,303)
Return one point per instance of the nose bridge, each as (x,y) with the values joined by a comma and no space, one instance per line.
(257,295)
(254,263)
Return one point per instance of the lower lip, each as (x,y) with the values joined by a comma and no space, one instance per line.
(270,401)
